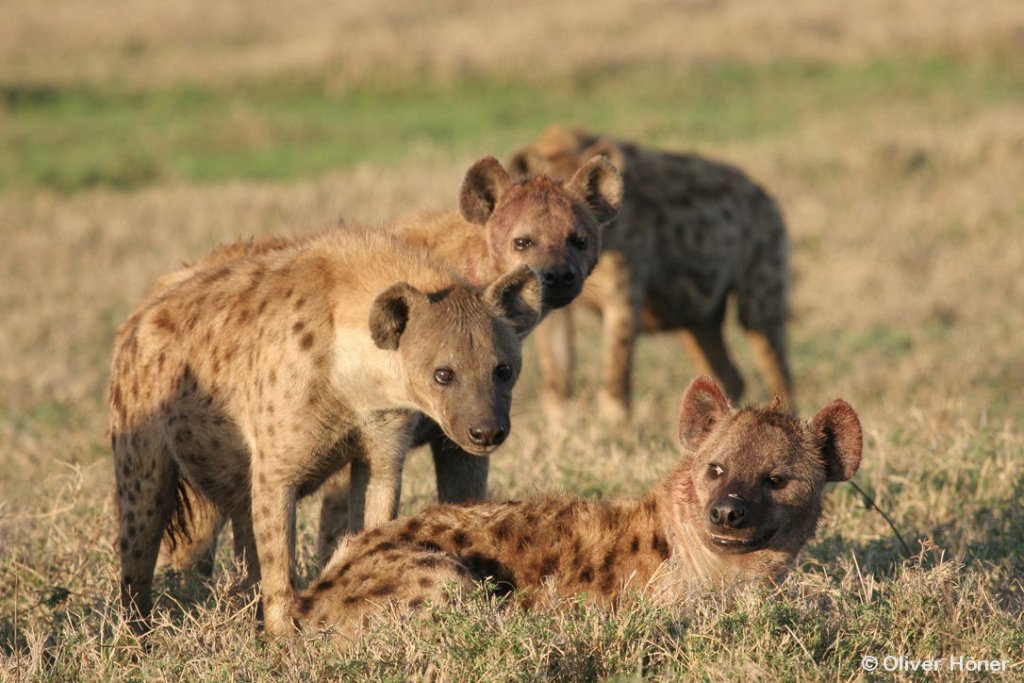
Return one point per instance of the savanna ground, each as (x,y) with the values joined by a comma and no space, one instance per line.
(137,135)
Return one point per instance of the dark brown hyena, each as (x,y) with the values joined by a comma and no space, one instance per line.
(248,384)
(690,231)
(739,507)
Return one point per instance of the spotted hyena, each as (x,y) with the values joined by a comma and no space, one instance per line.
(551,225)
(690,231)
(554,226)
(739,507)
(247,385)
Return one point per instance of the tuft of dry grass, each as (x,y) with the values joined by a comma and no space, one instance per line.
(906,220)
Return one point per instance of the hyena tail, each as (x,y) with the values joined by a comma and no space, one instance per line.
(190,536)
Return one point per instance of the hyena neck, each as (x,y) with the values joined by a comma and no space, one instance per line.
(693,565)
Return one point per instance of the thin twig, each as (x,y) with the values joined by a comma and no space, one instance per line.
(873,506)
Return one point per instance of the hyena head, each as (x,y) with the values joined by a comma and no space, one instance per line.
(461,349)
(559,152)
(553,226)
(758,474)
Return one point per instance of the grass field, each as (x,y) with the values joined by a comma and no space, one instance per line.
(892,133)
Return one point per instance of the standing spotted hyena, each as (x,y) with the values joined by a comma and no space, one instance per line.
(247,385)
(739,507)
(689,232)
(552,226)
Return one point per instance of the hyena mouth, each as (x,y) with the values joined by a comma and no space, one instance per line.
(738,546)
(558,298)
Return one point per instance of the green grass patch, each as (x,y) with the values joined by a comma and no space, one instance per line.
(71,138)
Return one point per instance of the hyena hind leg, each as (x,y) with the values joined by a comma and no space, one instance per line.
(146,504)
(769,344)
(705,346)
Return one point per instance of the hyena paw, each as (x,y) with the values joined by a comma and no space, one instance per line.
(613,410)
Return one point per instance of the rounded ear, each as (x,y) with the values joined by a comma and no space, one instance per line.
(599,184)
(389,314)
(609,148)
(516,296)
(525,162)
(484,184)
(837,431)
(702,410)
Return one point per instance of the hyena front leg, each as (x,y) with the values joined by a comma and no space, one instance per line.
(555,354)
(273,521)
(376,480)
(461,476)
(619,322)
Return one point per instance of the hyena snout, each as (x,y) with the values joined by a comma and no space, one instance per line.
(562,284)
(729,511)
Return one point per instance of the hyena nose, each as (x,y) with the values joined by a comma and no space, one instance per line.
(728,511)
(489,435)
(560,278)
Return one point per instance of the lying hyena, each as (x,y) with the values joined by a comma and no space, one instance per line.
(249,384)
(689,232)
(739,507)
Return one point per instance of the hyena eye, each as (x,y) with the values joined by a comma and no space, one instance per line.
(522,243)
(444,375)
(503,372)
(777,482)
(578,241)
(715,471)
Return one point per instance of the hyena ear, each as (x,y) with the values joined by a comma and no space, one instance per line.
(484,184)
(608,148)
(599,184)
(525,162)
(389,314)
(516,296)
(837,432)
(703,408)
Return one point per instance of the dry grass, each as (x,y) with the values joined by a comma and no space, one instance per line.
(149,41)
(906,218)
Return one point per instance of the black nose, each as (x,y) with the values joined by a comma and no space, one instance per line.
(728,511)
(560,278)
(488,435)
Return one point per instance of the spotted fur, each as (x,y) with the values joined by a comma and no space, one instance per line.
(690,232)
(244,385)
(743,501)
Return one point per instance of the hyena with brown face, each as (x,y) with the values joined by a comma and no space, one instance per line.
(248,384)
(739,507)
(690,231)
(552,226)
